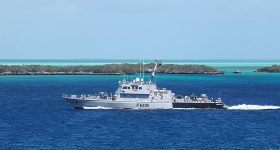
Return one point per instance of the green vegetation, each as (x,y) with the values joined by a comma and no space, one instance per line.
(186,69)
(104,69)
(272,69)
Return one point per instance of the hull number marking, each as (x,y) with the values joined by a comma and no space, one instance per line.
(144,105)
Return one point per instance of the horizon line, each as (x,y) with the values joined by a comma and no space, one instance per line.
(130,59)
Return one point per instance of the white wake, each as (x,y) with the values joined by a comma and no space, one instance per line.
(98,107)
(184,108)
(253,107)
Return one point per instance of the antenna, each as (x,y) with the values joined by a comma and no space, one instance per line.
(143,69)
(140,66)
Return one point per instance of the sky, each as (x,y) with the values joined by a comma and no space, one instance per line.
(129,29)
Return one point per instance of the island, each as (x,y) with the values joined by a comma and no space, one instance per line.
(108,69)
(271,69)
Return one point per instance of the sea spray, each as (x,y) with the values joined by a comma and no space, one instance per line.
(94,108)
(253,107)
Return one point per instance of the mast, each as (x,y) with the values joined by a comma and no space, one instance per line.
(143,67)
(140,70)
(154,71)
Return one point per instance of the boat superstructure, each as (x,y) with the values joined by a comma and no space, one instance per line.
(139,94)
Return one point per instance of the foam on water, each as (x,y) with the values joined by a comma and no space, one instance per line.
(184,108)
(94,108)
(236,107)
(253,107)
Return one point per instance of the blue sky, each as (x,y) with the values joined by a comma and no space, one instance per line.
(124,29)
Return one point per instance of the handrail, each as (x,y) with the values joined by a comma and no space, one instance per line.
(82,96)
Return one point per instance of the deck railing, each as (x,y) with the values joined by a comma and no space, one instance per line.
(83,96)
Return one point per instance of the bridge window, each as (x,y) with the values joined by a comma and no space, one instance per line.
(124,87)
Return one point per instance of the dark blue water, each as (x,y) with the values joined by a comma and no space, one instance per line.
(34,116)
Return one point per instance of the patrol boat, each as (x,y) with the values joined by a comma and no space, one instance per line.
(138,94)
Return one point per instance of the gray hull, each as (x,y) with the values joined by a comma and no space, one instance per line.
(88,104)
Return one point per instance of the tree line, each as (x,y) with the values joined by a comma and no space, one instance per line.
(274,68)
(106,69)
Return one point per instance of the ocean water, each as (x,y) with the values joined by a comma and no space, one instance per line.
(33,114)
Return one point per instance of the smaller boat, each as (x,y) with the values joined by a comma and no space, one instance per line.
(237,72)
